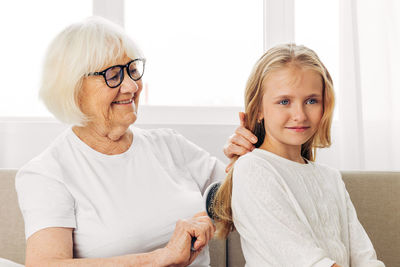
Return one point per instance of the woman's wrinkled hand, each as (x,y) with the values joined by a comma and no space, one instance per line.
(241,142)
(178,250)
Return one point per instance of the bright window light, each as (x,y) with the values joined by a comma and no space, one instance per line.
(317,27)
(27,28)
(199,53)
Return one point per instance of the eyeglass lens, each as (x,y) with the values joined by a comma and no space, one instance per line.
(114,75)
(135,69)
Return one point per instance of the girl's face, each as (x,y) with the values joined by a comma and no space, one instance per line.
(292,107)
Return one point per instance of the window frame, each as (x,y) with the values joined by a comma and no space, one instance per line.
(278,27)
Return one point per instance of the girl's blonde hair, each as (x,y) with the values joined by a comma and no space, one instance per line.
(83,47)
(276,58)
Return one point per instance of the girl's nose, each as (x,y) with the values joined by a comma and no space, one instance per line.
(299,113)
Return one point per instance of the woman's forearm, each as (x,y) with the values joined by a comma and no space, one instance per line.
(157,258)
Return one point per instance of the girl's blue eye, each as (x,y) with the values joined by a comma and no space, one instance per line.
(284,102)
(311,101)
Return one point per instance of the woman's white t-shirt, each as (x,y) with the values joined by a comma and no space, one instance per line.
(117,204)
(292,214)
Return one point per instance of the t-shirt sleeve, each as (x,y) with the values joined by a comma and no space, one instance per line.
(203,167)
(266,219)
(362,252)
(44,201)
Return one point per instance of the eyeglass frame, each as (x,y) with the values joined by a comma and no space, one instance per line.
(103,72)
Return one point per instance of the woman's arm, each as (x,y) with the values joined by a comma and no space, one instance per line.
(54,247)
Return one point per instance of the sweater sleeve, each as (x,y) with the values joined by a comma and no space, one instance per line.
(362,252)
(44,201)
(272,234)
(204,168)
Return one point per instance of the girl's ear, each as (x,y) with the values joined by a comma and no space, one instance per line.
(260,116)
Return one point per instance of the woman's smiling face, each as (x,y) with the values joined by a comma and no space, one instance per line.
(292,106)
(108,107)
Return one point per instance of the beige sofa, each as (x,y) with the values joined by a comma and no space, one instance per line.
(374,194)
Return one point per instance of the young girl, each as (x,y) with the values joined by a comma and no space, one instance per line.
(289,210)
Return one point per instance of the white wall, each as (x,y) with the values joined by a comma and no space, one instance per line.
(20,141)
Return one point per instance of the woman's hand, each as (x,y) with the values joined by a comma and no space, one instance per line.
(241,142)
(178,250)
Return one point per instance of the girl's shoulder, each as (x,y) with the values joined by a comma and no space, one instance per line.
(250,160)
(327,170)
(264,161)
(254,164)
(329,175)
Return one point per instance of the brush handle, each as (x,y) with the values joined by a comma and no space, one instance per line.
(208,196)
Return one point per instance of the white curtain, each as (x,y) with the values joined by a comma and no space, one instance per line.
(369,95)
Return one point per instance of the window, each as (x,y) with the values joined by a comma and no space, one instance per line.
(199,53)
(317,27)
(27,28)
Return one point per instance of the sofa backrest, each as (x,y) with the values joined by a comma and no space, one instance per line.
(374,194)
(12,234)
(376,198)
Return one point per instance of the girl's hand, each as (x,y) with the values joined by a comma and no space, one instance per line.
(241,142)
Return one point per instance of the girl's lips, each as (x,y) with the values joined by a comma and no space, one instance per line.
(298,129)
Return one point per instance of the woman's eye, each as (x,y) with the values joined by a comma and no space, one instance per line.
(311,101)
(284,102)
(114,78)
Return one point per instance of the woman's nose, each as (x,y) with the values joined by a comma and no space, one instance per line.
(129,86)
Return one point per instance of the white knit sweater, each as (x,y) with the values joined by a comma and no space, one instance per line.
(292,214)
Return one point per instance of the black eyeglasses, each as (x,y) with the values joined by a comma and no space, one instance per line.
(114,75)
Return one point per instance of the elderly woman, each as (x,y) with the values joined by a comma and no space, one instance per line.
(105,192)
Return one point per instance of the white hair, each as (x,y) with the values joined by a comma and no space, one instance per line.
(83,47)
